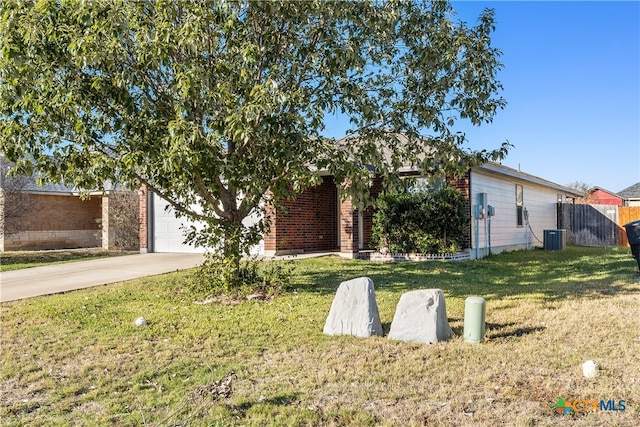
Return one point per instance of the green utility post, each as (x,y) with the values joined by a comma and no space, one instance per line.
(474,314)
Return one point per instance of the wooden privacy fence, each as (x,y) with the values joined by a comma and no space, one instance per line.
(596,225)
(627,214)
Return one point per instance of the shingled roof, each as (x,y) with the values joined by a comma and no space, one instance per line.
(28,184)
(632,192)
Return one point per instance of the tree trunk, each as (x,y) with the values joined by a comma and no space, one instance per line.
(231,249)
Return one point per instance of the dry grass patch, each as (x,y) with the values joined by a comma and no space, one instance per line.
(519,373)
(78,359)
(15,260)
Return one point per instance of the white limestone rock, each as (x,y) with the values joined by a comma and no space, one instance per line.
(421,316)
(354,310)
(590,369)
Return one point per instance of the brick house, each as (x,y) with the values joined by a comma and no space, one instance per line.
(318,220)
(330,225)
(57,217)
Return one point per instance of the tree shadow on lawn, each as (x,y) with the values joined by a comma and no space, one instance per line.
(280,400)
(496,331)
(544,275)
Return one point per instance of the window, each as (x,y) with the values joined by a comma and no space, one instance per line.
(415,185)
(519,206)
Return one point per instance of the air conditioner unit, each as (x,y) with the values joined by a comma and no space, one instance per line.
(554,240)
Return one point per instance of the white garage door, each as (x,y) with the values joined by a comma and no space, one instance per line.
(168,230)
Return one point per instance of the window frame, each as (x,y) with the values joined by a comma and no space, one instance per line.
(519,205)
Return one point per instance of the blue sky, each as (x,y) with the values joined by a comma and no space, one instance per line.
(571,78)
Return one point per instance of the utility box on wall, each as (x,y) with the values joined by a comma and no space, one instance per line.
(480,209)
(554,240)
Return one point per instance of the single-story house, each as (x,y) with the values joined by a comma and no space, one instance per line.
(34,217)
(509,210)
(631,195)
(600,196)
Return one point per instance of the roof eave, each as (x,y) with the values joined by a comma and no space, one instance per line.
(506,171)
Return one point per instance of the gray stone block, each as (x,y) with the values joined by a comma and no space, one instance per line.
(354,310)
(421,316)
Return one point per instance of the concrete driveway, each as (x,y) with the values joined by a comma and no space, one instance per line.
(52,279)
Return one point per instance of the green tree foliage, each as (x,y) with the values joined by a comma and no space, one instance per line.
(219,106)
(421,222)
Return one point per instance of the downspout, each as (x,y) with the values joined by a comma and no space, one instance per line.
(486,233)
(490,213)
(489,233)
(477,233)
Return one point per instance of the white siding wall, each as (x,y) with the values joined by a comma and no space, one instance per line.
(505,234)
(168,230)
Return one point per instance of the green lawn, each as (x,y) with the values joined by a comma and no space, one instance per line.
(26,259)
(78,359)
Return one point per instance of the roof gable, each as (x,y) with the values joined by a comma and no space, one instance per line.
(611,193)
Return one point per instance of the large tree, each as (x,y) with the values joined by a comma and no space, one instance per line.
(219,106)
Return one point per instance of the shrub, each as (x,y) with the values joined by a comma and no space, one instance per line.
(218,276)
(422,222)
(124,222)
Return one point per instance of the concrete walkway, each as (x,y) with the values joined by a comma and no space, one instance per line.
(51,279)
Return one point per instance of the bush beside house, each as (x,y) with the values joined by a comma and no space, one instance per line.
(425,222)
(120,221)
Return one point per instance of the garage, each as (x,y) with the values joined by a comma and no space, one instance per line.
(166,232)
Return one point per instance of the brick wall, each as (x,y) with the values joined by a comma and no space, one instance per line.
(2,199)
(143,220)
(367,216)
(55,222)
(270,239)
(348,228)
(463,184)
(59,212)
(307,223)
(51,239)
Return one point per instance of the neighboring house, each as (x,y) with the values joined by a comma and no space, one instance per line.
(631,195)
(57,217)
(523,206)
(600,196)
